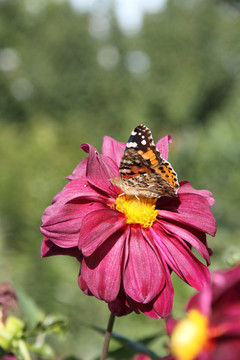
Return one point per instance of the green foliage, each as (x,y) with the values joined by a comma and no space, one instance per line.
(58,96)
(130,347)
(27,337)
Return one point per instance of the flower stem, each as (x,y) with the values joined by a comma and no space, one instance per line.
(107,336)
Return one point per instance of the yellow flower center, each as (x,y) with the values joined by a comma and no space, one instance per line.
(189,336)
(138,210)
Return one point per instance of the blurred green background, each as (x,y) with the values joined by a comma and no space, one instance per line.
(68,77)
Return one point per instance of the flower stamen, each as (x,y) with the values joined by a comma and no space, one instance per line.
(190,336)
(138,210)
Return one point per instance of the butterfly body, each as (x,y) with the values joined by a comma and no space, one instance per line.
(142,171)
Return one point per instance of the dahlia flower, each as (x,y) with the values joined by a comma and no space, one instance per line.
(9,357)
(141,356)
(127,245)
(211,329)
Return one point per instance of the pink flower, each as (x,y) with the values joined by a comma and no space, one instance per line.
(141,356)
(211,329)
(8,298)
(127,248)
(8,357)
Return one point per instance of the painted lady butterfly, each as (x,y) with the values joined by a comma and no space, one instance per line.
(143,172)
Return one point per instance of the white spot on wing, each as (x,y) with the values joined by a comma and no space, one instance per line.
(131,144)
(133,133)
(143,142)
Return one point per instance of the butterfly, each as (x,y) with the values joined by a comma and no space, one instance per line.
(142,171)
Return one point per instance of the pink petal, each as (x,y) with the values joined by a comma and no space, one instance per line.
(100,169)
(228,318)
(198,241)
(226,300)
(64,225)
(223,280)
(120,306)
(83,286)
(102,270)
(168,357)
(190,209)
(146,309)
(227,307)
(186,188)
(179,257)
(141,356)
(162,146)
(113,149)
(201,301)
(164,302)
(229,326)
(9,357)
(97,227)
(170,324)
(161,306)
(226,350)
(73,191)
(48,248)
(143,276)
(62,220)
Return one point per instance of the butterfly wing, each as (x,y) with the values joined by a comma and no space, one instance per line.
(142,170)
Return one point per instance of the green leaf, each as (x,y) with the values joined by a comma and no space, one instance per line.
(21,350)
(44,351)
(130,347)
(29,309)
(52,324)
(2,352)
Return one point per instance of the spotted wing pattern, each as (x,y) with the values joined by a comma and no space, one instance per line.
(143,172)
